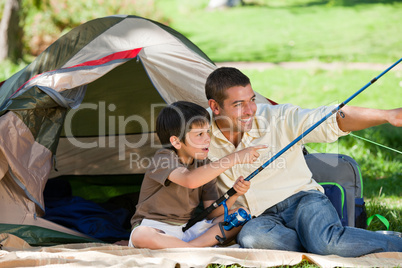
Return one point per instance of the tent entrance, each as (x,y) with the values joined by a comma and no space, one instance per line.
(99,206)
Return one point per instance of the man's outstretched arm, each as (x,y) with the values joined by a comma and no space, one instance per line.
(352,118)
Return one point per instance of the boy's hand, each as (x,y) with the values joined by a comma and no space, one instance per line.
(248,155)
(241,186)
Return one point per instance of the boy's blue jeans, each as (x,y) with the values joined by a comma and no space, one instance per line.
(307,222)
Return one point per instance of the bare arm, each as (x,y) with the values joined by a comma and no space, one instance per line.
(358,118)
(199,176)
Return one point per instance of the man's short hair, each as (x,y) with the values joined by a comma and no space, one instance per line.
(220,80)
(177,119)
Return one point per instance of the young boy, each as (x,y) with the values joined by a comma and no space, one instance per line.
(180,177)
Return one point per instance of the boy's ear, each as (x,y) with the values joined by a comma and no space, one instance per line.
(214,106)
(175,141)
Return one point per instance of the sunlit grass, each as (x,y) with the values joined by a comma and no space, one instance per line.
(313,87)
(302,264)
(278,31)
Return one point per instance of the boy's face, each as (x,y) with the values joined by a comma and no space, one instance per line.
(196,144)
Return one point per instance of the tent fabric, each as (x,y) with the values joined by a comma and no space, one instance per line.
(24,163)
(17,253)
(87,106)
(37,236)
(107,159)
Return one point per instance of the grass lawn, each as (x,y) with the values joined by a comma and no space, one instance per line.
(312,87)
(292,30)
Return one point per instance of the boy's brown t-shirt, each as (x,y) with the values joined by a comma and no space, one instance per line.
(163,200)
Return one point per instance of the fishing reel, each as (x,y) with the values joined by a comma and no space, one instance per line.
(235,219)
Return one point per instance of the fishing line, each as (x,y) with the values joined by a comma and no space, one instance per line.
(378,144)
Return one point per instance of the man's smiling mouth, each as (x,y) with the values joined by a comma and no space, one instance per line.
(247,120)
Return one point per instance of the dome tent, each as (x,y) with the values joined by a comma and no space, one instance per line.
(89,101)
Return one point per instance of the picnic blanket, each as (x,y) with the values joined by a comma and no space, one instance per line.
(16,252)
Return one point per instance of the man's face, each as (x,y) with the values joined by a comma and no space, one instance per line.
(238,110)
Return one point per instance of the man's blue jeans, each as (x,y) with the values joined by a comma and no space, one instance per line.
(307,222)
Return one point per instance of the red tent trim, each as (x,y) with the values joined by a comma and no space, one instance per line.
(128,54)
(272,102)
(121,55)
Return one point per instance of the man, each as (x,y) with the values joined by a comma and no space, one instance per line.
(291,211)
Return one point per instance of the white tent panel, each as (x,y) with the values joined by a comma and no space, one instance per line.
(126,35)
(29,162)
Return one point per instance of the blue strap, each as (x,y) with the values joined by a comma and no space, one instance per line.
(226,211)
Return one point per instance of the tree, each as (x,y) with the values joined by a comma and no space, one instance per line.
(11,32)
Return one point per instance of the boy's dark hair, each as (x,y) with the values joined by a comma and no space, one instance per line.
(177,119)
(220,80)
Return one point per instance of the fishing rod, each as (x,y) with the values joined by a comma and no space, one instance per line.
(232,191)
